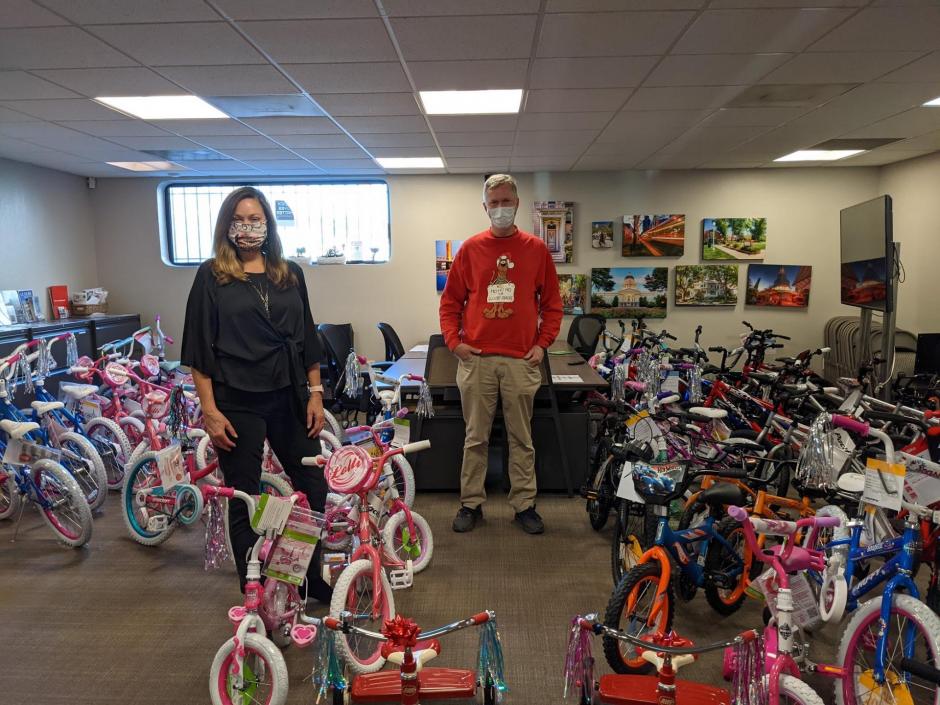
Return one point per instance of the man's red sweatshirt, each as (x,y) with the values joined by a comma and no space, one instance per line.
(501,295)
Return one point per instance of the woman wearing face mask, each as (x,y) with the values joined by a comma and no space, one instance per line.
(252,346)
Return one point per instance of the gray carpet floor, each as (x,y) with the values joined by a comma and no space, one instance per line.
(116,622)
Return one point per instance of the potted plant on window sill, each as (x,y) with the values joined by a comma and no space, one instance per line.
(301,254)
(333,256)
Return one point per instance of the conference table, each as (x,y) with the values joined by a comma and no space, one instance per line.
(560,423)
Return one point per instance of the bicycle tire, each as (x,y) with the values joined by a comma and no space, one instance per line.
(392,540)
(333,426)
(349,580)
(645,575)
(598,509)
(630,538)
(9,497)
(133,428)
(793,691)
(135,479)
(867,618)
(404,479)
(108,432)
(50,477)
(261,647)
(94,482)
(832,610)
(729,529)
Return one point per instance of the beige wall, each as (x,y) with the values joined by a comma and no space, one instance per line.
(46,230)
(914,187)
(802,207)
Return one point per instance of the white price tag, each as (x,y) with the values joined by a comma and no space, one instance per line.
(884,484)
(922,482)
(626,489)
(271,513)
(170,465)
(90,408)
(805,606)
(402,433)
(20,452)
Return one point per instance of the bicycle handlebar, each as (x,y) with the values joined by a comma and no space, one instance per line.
(590,623)
(342,624)
(850,424)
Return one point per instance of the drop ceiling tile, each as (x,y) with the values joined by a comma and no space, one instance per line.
(77,109)
(368,104)
(490,165)
(754,31)
(210,166)
(867,104)
(930,141)
(910,123)
(160,142)
(914,28)
(280,164)
(720,163)
(468,75)
(323,41)
(754,116)
(251,79)
(714,69)
(342,153)
(558,100)
(478,153)
(880,157)
(564,121)
(373,125)
(407,139)
(757,4)
(316,141)
(475,139)
(127,11)
(259,155)
(264,106)
(297,9)
(924,69)
(405,152)
(294,125)
(205,127)
(132,80)
(682,98)
(359,77)
(224,142)
(473,123)
(621,5)
(19,85)
(557,141)
(25,13)
(595,72)
(116,128)
(424,8)
(478,37)
(542,163)
(55,47)
(670,161)
(374,171)
(180,44)
(329,164)
(839,67)
(601,163)
(712,138)
(7,115)
(472,170)
(605,33)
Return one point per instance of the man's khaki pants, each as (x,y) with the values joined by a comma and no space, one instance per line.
(481,380)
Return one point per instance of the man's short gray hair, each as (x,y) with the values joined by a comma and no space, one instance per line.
(498,180)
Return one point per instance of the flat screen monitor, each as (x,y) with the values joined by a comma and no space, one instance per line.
(927,360)
(867,254)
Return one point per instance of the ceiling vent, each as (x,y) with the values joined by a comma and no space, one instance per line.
(186,155)
(864,143)
(249,106)
(789,96)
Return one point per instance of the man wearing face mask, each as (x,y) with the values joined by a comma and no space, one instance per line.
(499,312)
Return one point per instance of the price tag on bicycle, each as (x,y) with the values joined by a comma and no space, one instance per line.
(805,605)
(170,466)
(90,408)
(402,433)
(884,484)
(20,452)
(271,513)
(293,549)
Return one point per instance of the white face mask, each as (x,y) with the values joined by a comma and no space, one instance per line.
(502,217)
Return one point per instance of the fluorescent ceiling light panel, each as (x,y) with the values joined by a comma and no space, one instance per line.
(164,107)
(410,162)
(471,102)
(147,166)
(818,155)
(935,103)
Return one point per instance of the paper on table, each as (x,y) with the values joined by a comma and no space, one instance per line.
(420,348)
(562,379)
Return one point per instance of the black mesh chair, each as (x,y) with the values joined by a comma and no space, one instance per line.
(337,340)
(393,347)
(584,333)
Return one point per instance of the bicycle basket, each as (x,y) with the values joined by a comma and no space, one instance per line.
(659,483)
(814,470)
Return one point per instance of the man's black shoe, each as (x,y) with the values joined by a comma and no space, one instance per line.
(530,521)
(466,519)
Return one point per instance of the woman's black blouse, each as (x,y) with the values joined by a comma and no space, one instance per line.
(227,334)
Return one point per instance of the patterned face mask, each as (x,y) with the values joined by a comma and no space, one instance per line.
(248,236)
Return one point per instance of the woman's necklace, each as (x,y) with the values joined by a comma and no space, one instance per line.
(263,295)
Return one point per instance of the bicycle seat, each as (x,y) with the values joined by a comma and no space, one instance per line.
(17,429)
(706,412)
(423,651)
(44,407)
(794,388)
(722,494)
(764,377)
(744,443)
(853,482)
(677,661)
(78,391)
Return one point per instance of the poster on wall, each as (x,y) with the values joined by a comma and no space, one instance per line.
(653,235)
(707,285)
(629,292)
(573,290)
(778,285)
(554,225)
(602,234)
(734,238)
(445,251)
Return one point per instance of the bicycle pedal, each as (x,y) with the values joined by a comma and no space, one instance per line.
(157,523)
(303,634)
(401,578)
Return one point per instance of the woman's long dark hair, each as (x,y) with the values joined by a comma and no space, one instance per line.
(226,266)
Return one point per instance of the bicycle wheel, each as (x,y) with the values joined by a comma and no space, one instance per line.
(834,601)
(793,691)
(333,426)
(354,591)
(393,537)
(693,515)
(144,500)
(62,503)
(725,577)
(786,461)
(630,539)
(133,429)
(328,443)
(139,449)
(9,494)
(404,478)
(113,447)
(598,507)
(84,463)
(920,643)
(264,679)
(628,610)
